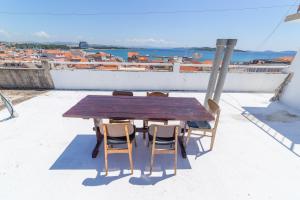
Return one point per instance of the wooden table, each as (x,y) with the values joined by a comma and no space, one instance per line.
(139,108)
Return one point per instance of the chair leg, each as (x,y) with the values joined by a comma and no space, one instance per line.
(175,163)
(152,159)
(130,157)
(175,159)
(212,140)
(145,124)
(135,143)
(106,161)
(188,137)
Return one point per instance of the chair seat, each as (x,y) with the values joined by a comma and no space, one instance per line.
(162,140)
(118,119)
(120,140)
(199,124)
(154,120)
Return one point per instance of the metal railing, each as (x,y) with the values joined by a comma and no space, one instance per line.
(8,104)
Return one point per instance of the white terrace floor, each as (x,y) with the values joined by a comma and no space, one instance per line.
(45,156)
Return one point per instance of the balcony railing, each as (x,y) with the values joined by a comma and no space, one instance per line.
(154,67)
(140,76)
(168,67)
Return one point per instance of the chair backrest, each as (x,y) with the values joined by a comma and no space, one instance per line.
(122,93)
(157,94)
(215,110)
(117,129)
(163,131)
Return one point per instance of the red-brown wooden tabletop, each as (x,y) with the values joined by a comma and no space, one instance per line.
(139,107)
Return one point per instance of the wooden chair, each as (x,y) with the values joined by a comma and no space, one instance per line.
(122,93)
(163,135)
(146,122)
(118,134)
(157,94)
(205,126)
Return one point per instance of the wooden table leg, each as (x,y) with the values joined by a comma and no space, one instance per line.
(99,137)
(181,142)
(182,146)
(96,149)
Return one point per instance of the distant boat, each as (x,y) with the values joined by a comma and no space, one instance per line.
(197,56)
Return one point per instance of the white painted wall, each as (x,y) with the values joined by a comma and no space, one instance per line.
(291,94)
(121,80)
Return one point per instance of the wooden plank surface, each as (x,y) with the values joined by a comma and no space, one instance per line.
(139,107)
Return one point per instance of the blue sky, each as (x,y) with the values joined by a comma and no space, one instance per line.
(250,27)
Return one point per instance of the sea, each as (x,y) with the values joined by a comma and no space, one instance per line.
(238,56)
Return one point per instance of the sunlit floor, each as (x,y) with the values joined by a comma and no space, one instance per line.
(45,156)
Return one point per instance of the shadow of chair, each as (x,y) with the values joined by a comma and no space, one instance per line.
(163,164)
(197,147)
(77,156)
(149,180)
(102,179)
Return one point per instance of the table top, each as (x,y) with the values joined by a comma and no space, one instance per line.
(139,107)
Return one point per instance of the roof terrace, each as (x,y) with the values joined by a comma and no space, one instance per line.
(46,156)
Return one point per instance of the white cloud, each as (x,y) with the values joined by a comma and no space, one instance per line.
(42,35)
(4,33)
(138,42)
(79,37)
(148,41)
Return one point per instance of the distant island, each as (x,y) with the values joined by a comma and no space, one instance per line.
(56,45)
(97,46)
(72,45)
(211,49)
(38,46)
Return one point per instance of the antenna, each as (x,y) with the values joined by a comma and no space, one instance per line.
(293,17)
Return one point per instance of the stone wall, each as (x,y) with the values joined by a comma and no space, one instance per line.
(25,78)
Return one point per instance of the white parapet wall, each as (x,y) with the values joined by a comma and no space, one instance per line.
(291,94)
(140,80)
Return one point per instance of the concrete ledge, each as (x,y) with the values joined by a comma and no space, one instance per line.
(25,78)
(172,81)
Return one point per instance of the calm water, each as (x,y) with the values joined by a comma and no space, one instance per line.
(206,55)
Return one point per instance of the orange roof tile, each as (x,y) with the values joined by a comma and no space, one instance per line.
(131,54)
(53,51)
(207,62)
(189,69)
(284,59)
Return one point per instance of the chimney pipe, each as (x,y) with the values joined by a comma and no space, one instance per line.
(224,69)
(215,69)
